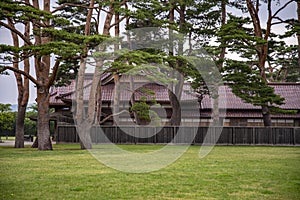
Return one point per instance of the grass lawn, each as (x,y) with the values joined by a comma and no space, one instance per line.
(10,138)
(226,173)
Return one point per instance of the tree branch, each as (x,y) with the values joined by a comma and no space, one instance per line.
(54,72)
(251,45)
(280,9)
(123,2)
(124,17)
(255,19)
(281,21)
(76,5)
(16,31)
(20,72)
(269,22)
(109,116)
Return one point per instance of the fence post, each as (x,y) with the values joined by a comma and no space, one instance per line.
(155,129)
(195,134)
(135,135)
(294,136)
(233,135)
(253,136)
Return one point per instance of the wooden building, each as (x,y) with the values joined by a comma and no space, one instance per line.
(233,111)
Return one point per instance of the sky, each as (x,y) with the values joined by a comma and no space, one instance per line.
(8,88)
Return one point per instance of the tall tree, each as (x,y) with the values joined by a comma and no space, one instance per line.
(110,9)
(46,41)
(85,140)
(199,20)
(22,86)
(250,37)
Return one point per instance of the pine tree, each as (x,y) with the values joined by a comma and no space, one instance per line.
(46,41)
(251,39)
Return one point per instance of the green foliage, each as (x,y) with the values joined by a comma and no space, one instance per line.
(65,34)
(239,38)
(250,40)
(7,118)
(283,60)
(67,71)
(247,84)
(5,107)
(22,12)
(147,62)
(142,108)
(29,126)
(129,60)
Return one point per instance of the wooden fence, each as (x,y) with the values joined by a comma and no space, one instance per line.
(185,135)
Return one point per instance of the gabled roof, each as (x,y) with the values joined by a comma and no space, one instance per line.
(289,91)
(58,94)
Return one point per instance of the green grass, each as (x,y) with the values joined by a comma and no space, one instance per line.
(5,138)
(226,173)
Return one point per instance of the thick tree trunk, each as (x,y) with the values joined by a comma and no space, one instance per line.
(85,138)
(19,141)
(80,118)
(215,110)
(82,124)
(176,109)
(43,129)
(266,116)
(174,93)
(93,97)
(23,89)
(116,97)
(174,98)
(108,19)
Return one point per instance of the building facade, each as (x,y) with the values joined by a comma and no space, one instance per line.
(233,111)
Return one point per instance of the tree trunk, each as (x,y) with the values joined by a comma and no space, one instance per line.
(35,143)
(108,19)
(132,98)
(223,22)
(174,98)
(215,92)
(85,137)
(176,109)
(44,142)
(215,111)
(23,87)
(99,101)
(93,96)
(83,126)
(263,48)
(23,90)
(266,116)
(19,141)
(174,92)
(81,121)
(116,97)
(298,34)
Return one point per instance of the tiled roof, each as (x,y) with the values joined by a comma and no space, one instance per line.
(57,92)
(290,91)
